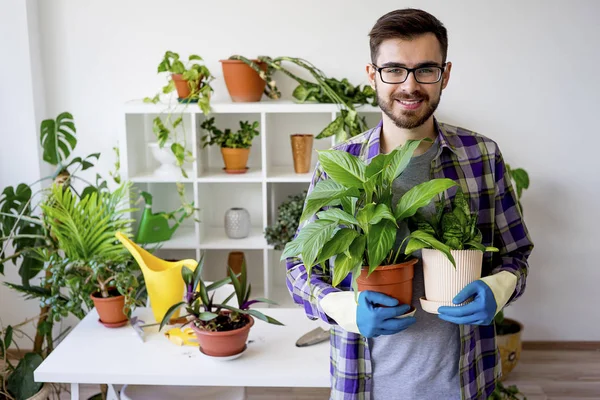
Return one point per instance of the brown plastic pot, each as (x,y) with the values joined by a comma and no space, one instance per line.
(302,145)
(394,280)
(110,309)
(235,259)
(223,344)
(235,160)
(183,89)
(243,83)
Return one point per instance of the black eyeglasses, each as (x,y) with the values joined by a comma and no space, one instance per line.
(427,74)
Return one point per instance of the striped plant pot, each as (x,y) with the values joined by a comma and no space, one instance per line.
(442,281)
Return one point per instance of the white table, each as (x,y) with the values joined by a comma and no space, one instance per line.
(93,354)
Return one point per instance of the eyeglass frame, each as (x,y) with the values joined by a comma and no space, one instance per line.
(412,70)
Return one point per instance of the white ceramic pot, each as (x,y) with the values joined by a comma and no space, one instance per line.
(442,281)
(237,223)
(166,158)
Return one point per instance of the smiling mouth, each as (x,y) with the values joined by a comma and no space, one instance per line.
(410,104)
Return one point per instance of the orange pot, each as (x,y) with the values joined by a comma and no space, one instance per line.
(110,309)
(394,280)
(235,160)
(223,344)
(243,83)
(235,260)
(183,89)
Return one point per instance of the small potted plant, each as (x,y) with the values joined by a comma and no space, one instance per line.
(359,226)
(451,248)
(289,213)
(221,330)
(97,270)
(235,146)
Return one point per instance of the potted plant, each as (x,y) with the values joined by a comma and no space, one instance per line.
(192,83)
(235,146)
(245,82)
(288,217)
(222,330)
(97,269)
(359,226)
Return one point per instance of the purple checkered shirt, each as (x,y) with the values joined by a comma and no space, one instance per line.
(476,163)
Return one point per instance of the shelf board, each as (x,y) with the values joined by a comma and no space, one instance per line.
(215,238)
(151,177)
(287,174)
(216,175)
(228,107)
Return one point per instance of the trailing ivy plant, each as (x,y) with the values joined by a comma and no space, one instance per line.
(356,220)
(241,139)
(452,227)
(198,78)
(289,213)
(324,90)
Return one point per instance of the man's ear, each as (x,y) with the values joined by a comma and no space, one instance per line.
(371,75)
(446,75)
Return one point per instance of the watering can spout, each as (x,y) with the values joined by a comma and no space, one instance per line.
(163,279)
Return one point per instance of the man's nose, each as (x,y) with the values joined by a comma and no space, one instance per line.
(410,85)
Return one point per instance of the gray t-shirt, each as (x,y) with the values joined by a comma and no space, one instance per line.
(421,362)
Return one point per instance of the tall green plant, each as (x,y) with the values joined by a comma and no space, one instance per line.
(360,221)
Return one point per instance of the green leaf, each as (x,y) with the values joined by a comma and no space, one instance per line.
(421,195)
(380,241)
(400,159)
(262,317)
(187,275)
(239,291)
(334,128)
(169,314)
(377,165)
(382,211)
(197,276)
(414,245)
(325,193)
(263,300)
(195,57)
(218,284)
(335,214)
(315,235)
(292,249)
(58,138)
(343,168)
(20,382)
(342,267)
(338,244)
(364,215)
(8,336)
(349,204)
(461,203)
(433,243)
(207,316)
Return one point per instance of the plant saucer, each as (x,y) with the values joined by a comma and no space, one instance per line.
(410,313)
(236,171)
(225,358)
(114,325)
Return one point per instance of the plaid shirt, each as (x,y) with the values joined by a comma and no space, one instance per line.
(475,162)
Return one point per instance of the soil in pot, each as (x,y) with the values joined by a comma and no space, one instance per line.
(229,341)
(110,309)
(243,83)
(393,280)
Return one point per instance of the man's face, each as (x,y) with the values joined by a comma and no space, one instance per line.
(409,104)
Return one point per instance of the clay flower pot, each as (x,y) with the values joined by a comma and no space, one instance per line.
(110,309)
(243,83)
(302,145)
(235,260)
(394,280)
(235,160)
(442,281)
(508,339)
(183,89)
(223,344)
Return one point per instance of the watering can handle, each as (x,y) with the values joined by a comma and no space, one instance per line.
(147,198)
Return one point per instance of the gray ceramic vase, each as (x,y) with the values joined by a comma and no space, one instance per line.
(237,223)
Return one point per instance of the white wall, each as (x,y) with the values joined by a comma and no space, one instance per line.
(524,74)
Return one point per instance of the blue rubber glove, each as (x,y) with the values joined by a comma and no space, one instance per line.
(481,311)
(374,320)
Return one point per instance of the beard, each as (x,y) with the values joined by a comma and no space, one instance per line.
(408,119)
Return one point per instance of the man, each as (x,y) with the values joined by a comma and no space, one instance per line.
(452,355)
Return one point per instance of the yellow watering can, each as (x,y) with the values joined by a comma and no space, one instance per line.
(163,278)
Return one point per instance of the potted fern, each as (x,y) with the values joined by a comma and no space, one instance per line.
(451,248)
(97,269)
(221,329)
(356,222)
(235,146)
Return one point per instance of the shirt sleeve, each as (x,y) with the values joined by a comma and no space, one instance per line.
(305,292)
(511,236)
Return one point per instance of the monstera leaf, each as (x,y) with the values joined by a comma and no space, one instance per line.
(58,138)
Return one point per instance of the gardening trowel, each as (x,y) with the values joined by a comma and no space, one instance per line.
(315,336)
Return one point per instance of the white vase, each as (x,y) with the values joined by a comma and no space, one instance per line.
(442,281)
(166,158)
(237,223)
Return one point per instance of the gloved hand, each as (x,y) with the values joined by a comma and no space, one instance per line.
(374,320)
(367,317)
(490,294)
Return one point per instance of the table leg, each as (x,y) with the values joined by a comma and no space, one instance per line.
(74,391)
(112,393)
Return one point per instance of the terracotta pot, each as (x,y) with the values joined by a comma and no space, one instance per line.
(509,345)
(183,89)
(234,261)
(394,280)
(235,160)
(110,309)
(243,83)
(223,344)
(302,151)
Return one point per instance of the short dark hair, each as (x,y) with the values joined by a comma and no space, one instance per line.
(406,24)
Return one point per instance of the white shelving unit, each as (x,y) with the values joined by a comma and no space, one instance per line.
(269,181)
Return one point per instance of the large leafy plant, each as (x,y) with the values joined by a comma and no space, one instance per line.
(355,219)
(452,227)
(324,90)
(241,139)
(284,229)
(208,315)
